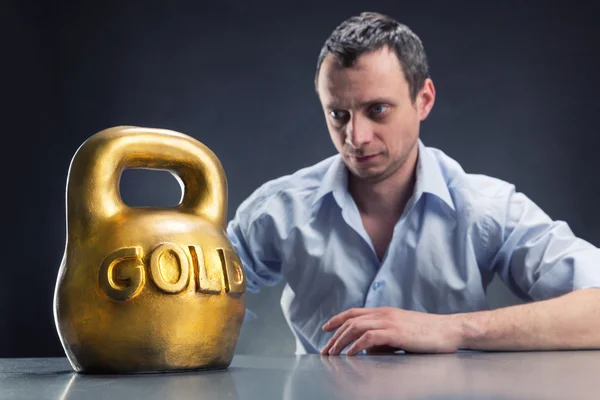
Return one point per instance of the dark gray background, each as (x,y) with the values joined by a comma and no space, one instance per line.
(516,99)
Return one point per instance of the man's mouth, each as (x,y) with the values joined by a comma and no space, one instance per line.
(364,158)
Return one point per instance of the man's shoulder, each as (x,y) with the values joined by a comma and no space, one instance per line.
(304,180)
(470,188)
(482,202)
(296,188)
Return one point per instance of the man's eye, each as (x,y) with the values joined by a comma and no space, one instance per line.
(379,109)
(337,114)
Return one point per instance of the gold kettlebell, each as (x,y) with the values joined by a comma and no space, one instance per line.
(146,289)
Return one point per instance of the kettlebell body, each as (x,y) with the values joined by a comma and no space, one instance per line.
(147,289)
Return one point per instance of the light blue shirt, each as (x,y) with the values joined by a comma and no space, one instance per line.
(456,232)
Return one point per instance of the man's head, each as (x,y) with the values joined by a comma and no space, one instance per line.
(373,82)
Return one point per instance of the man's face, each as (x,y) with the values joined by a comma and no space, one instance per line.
(370,116)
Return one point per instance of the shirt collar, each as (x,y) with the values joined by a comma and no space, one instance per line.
(429,179)
(335,181)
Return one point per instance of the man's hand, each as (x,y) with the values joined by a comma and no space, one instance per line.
(374,329)
(567,322)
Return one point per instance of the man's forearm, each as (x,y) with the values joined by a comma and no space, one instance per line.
(571,321)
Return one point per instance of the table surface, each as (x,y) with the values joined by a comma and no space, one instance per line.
(463,375)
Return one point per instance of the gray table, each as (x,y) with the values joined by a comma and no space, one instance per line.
(465,375)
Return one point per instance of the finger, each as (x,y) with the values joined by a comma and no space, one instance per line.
(325,350)
(338,332)
(354,330)
(342,317)
(369,339)
(354,313)
(334,323)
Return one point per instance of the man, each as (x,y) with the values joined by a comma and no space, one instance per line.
(390,244)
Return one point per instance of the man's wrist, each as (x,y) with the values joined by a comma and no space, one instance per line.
(470,329)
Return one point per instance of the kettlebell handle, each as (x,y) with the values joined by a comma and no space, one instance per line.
(96,168)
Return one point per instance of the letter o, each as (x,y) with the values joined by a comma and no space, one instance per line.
(156,272)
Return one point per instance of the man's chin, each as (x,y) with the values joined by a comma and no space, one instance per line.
(370,175)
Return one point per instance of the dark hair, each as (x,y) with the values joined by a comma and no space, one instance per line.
(371,31)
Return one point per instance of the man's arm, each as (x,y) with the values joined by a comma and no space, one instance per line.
(255,241)
(571,321)
(539,259)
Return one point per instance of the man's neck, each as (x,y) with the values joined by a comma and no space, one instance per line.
(388,197)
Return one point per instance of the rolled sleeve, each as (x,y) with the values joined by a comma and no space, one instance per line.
(538,258)
(255,243)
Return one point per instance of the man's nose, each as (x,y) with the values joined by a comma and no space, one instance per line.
(358,132)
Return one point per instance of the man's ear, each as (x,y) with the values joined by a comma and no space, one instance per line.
(425,99)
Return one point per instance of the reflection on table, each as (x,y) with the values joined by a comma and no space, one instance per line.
(465,375)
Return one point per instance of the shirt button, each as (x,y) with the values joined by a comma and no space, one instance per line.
(376,285)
